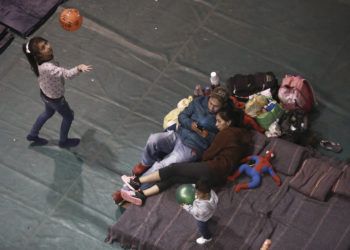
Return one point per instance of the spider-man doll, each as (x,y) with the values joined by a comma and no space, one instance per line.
(255,166)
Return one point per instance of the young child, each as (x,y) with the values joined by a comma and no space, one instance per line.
(203,209)
(51,83)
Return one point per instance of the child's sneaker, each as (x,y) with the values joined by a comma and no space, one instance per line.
(202,240)
(139,169)
(133,197)
(69,143)
(36,140)
(132,182)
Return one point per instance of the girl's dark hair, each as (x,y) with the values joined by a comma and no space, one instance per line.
(232,114)
(32,52)
(203,185)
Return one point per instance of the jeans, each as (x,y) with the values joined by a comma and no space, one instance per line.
(168,144)
(51,106)
(203,229)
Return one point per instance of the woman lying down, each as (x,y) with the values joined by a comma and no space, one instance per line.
(229,146)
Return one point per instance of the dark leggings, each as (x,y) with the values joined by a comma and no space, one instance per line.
(185,173)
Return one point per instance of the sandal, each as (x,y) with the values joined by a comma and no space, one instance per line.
(331,146)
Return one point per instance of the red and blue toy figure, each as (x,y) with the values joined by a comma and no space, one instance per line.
(255,166)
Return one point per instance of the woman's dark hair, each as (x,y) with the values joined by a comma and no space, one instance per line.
(32,52)
(203,185)
(232,114)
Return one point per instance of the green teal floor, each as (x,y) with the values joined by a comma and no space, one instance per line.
(147,55)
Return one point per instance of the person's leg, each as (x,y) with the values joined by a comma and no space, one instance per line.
(182,173)
(180,153)
(67,114)
(157,146)
(153,177)
(185,170)
(151,191)
(139,197)
(39,123)
(204,231)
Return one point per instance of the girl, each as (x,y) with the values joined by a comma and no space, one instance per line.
(229,146)
(51,83)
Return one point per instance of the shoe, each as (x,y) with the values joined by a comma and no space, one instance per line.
(69,143)
(202,240)
(331,146)
(117,197)
(133,197)
(36,140)
(139,169)
(131,182)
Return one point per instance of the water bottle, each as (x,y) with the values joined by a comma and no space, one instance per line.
(214,79)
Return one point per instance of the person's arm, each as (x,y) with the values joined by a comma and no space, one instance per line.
(199,209)
(184,117)
(193,209)
(215,147)
(68,73)
(186,121)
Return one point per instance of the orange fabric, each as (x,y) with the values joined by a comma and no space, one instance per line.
(247,120)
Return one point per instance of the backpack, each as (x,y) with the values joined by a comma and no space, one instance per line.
(242,86)
(294,125)
(296,93)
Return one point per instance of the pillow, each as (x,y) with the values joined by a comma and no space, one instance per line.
(342,186)
(288,156)
(315,178)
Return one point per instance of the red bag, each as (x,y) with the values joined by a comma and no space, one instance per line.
(296,93)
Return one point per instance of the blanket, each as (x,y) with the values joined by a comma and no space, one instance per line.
(291,219)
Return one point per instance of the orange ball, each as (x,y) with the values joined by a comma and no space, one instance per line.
(70,19)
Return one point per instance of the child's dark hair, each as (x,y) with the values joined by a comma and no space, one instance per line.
(32,51)
(230,113)
(203,185)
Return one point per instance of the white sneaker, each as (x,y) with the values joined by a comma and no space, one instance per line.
(202,240)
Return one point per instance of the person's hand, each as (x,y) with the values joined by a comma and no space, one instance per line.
(204,133)
(194,126)
(84,68)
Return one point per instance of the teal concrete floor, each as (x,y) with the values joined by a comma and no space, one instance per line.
(147,55)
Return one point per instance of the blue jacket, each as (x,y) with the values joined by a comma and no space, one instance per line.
(197,111)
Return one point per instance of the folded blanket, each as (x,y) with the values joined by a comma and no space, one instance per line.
(342,186)
(315,178)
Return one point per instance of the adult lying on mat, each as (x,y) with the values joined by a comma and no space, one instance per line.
(229,146)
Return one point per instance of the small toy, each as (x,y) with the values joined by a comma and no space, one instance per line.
(254,166)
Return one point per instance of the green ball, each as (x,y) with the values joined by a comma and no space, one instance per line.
(185,194)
